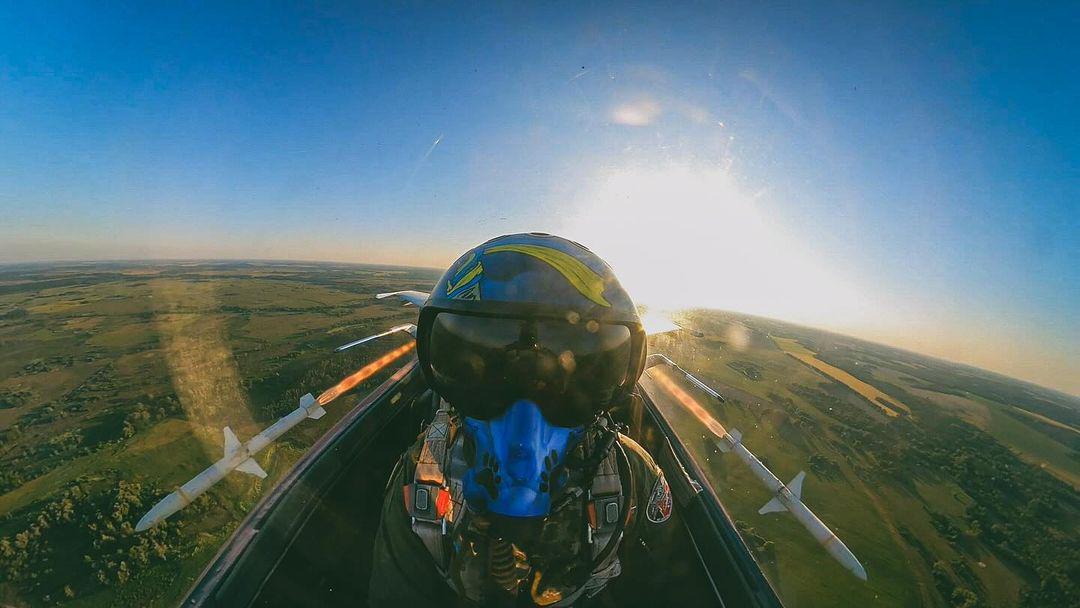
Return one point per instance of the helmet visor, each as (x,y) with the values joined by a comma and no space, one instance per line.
(484,364)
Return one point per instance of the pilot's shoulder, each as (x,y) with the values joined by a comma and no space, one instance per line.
(641,460)
(652,489)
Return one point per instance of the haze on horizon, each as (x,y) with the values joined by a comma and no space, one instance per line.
(904,175)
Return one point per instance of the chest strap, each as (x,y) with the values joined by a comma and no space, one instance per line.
(603,503)
(605,508)
(433,499)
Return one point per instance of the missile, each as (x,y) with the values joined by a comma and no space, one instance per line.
(789,498)
(237,457)
(785,497)
(409,327)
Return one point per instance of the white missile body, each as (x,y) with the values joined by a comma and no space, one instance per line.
(785,498)
(237,457)
(788,498)
(408,327)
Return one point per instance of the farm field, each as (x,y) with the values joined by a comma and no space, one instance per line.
(958,499)
(115,383)
(871,394)
(116,380)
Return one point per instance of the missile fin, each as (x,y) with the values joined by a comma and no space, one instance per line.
(736,434)
(773,506)
(724,447)
(796,484)
(231,442)
(307,400)
(316,413)
(251,467)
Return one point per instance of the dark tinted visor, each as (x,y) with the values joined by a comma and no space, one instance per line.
(483,364)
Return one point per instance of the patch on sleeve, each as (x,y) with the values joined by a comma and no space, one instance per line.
(659,509)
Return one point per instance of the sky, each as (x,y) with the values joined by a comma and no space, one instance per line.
(901,172)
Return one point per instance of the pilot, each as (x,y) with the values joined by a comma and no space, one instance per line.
(522,491)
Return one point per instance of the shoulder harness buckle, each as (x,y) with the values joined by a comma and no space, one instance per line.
(429,500)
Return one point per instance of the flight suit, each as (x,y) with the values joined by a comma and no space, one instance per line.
(567,567)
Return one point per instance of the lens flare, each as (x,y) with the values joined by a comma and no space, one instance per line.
(363,373)
(688,236)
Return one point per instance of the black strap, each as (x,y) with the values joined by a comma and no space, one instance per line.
(608,437)
(625,473)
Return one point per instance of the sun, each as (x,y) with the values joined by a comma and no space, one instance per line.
(683,237)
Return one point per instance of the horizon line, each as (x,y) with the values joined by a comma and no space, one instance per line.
(1030,383)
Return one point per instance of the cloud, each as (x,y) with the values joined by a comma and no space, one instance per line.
(640,113)
(644,112)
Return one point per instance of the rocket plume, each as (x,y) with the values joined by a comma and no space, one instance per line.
(363,373)
(689,403)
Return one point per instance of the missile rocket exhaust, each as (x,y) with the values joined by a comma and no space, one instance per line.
(363,374)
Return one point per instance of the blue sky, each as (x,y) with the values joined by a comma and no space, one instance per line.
(924,155)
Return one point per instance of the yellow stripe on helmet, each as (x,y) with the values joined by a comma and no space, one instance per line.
(583,278)
(472,274)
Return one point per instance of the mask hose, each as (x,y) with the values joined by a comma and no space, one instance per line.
(508,565)
(608,434)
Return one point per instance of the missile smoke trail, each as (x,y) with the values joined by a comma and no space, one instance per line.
(363,374)
(690,403)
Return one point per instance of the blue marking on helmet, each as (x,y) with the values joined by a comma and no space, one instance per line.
(518,461)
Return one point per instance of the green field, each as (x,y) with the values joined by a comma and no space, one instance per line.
(116,379)
(968,499)
(115,382)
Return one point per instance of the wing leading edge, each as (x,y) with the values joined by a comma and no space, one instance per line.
(416,298)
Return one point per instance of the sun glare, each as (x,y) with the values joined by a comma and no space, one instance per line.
(680,237)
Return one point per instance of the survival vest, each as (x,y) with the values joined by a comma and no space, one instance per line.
(584,530)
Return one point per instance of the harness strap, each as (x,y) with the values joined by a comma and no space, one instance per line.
(434,500)
(608,509)
(429,498)
(605,509)
(603,503)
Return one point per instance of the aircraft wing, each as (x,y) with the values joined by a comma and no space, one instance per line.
(416,298)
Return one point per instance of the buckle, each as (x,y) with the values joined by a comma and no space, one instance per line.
(427,502)
(603,514)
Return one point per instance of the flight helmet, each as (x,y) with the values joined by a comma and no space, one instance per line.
(529,337)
